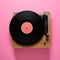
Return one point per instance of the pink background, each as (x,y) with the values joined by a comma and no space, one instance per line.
(7,8)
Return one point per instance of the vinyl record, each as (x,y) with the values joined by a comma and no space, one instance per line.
(26,28)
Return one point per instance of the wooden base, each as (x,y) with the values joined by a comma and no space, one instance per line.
(40,44)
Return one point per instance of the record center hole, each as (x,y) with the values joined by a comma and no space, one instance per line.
(27,27)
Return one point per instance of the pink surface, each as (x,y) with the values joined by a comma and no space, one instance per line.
(32,54)
(7,8)
(26,27)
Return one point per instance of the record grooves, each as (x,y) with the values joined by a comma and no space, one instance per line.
(34,36)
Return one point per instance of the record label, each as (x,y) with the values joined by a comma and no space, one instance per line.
(26,27)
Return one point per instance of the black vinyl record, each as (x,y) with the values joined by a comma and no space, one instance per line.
(22,38)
